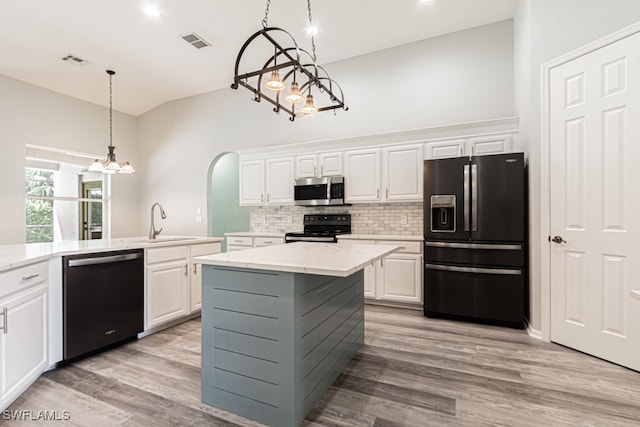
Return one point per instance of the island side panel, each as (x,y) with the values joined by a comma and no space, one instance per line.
(273,342)
(329,332)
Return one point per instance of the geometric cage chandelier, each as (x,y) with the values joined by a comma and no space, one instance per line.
(290,76)
(110,165)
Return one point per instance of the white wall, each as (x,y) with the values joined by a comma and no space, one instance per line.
(32,115)
(544,30)
(461,77)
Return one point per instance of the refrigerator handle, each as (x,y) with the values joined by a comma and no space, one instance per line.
(466,197)
(474,197)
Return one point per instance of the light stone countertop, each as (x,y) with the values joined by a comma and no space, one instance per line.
(328,259)
(13,256)
(379,237)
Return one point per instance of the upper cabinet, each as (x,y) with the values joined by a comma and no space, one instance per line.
(472,146)
(402,173)
(318,165)
(267,181)
(362,176)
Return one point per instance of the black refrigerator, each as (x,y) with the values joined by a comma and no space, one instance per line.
(475,231)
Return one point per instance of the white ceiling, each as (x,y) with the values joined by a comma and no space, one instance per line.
(154,65)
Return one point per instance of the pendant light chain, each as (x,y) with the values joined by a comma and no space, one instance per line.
(110,110)
(313,41)
(265,22)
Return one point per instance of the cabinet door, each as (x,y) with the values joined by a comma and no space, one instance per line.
(167,292)
(280,181)
(330,164)
(251,182)
(23,344)
(307,166)
(195,268)
(445,149)
(402,172)
(370,280)
(362,177)
(490,145)
(400,278)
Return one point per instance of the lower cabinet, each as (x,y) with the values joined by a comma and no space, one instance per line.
(23,331)
(397,277)
(173,282)
(239,242)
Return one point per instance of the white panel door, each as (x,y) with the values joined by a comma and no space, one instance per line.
(330,164)
(280,181)
(167,292)
(362,177)
(251,182)
(400,278)
(402,172)
(595,205)
(307,166)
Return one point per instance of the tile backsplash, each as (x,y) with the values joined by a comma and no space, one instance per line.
(371,218)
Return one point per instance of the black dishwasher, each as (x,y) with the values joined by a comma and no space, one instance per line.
(103,300)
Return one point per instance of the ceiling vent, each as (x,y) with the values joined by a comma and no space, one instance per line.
(195,40)
(72,59)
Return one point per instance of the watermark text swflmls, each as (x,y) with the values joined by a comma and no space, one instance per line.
(29,415)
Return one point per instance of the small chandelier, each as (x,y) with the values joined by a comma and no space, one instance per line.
(275,75)
(110,164)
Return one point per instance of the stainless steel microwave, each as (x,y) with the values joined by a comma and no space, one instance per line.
(319,191)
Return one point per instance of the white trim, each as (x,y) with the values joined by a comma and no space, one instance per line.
(532,332)
(545,184)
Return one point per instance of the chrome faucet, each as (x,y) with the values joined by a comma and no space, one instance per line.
(152,231)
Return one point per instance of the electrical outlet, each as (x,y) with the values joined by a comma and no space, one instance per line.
(198,219)
(403,219)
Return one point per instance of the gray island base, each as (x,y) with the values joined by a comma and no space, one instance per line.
(273,342)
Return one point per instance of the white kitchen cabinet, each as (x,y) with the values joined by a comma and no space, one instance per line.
(167,285)
(195,269)
(266,182)
(472,146)
(173,282)
(362,176)
(252,183)
(397,278)
(402,173)
(279,179)
(241,241)
(319,165)
(23,329)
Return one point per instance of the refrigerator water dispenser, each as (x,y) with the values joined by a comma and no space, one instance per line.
(443,213)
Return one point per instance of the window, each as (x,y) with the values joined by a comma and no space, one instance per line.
(63,201)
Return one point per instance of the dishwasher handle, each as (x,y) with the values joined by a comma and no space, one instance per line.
(104,260)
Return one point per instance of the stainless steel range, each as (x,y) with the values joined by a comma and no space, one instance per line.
(321,228)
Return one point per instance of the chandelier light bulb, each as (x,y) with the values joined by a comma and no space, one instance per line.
(274,82)
(309,106)
(294,95)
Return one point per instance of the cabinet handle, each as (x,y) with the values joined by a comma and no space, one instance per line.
(268,196)
(29,277)
(386,193)
(5,317)
(378,193)
(195,269)
(186,269)
(321,170)
(314,170)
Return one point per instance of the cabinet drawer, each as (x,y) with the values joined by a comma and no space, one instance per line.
(205,249)
(267,241)
(239,241)
(23,277)
(406,247)
(153,256)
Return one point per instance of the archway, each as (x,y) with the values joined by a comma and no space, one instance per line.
(224,213)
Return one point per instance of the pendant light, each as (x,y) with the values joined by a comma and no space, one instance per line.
(110,165)
(288,61)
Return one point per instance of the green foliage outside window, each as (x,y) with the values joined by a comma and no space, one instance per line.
(39,213)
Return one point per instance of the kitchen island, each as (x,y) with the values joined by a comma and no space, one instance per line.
(279,324)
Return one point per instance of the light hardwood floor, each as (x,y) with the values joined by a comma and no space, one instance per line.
(412,371)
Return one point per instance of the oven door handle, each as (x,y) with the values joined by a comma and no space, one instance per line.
(103,260)
(500,271)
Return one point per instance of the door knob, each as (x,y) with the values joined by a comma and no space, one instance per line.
(558,239)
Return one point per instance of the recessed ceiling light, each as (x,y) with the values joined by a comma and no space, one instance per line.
(151,11)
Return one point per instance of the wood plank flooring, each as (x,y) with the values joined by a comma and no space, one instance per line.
(412,371)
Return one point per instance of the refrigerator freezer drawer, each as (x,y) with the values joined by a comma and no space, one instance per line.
(493,295)
(483,254)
